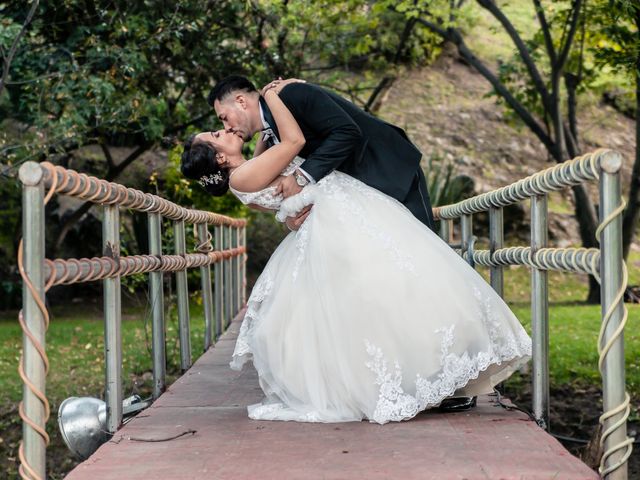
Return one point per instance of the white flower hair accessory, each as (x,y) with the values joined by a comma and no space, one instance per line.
(214,179)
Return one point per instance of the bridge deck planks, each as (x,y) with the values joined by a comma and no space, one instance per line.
(486,443)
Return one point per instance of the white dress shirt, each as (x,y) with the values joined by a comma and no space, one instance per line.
(267,132)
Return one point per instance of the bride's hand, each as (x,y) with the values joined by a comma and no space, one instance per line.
(278,84)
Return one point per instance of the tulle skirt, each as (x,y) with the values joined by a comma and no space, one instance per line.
(365,313)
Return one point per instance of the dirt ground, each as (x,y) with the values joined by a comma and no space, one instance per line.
(574,412)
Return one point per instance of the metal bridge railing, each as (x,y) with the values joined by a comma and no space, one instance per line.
(605,263)
(39,274)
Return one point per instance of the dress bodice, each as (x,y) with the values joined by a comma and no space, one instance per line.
(267,197)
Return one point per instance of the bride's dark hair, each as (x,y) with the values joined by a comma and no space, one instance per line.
(199,163)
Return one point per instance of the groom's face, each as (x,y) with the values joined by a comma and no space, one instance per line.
(234,112)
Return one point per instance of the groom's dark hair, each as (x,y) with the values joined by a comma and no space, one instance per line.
(230,84)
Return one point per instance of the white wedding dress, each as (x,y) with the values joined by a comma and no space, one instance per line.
(365,313)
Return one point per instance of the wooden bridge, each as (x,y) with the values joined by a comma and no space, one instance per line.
(199,428)
(210,400)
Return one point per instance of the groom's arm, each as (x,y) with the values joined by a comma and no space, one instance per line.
(317,110)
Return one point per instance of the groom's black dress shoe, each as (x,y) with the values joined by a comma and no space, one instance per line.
(457,404)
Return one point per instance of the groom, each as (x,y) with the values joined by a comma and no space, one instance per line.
(339,136)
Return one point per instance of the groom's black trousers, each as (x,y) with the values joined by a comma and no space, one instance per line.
(418,201)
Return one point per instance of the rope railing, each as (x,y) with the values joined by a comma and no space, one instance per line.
(67,272)
(604,263)
(578,260)
(572,172)
(79,185)
(39,274)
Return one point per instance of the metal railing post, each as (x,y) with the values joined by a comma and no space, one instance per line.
(540,314)
(218,282)
(226,282)
(34,443)
(243,268)
(156,296)
(112,320)
(207,293)
(496,241)
(183,298)
(446,229)
(611,274)
(235,275)
(466,231)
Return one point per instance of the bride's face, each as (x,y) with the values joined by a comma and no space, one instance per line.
(224,142)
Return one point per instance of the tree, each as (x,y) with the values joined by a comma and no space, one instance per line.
(107,74)
(553,64)
(618,47)
(7,57)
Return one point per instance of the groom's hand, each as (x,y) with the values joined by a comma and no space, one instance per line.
(288,186)
(294,223)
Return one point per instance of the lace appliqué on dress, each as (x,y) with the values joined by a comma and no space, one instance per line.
(267,197)
(242,351)
(339,185)
(394,404)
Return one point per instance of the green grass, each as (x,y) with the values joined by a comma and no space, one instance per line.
(573,336)
(487,38)
(75,347)
(574,325)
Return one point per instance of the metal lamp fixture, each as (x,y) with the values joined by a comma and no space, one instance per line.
(83,422)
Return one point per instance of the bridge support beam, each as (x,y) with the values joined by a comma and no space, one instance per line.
(540,314)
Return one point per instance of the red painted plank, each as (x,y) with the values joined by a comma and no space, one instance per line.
(486,443)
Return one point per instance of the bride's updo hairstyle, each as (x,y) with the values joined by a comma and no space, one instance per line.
(198,162)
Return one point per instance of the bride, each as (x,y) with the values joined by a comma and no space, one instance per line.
(363,313)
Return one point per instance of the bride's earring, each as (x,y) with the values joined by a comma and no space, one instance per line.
(221,159)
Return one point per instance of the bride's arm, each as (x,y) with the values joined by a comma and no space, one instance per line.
(260,146)
(266,167)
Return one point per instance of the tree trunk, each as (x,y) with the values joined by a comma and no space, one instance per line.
(111,175)
(632,212)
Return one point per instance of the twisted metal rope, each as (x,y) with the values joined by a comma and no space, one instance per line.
(558,177)
(603,351)
(92,189)
(583,260)
(204,245)
(25,470)
(66,272)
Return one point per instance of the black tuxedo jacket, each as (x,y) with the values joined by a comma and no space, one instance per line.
(341,136)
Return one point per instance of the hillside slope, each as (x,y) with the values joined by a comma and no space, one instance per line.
(447,112)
